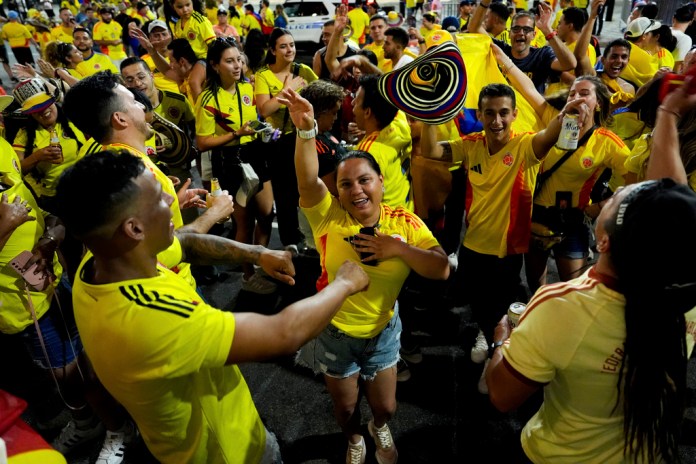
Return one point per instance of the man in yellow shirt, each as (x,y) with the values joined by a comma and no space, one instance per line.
(378,26)
(359,21)
(267,18)
(250,21)
(108,34)
(158,365)
(92,62)
(64,31)
(502,167)
(159,36)
(19,38)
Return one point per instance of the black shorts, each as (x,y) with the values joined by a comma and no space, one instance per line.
(23,55)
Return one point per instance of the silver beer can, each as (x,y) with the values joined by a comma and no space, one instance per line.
(570,132)
(515,312)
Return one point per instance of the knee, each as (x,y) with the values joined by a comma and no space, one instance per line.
(384,409)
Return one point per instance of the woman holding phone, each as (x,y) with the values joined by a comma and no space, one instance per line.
(225,120)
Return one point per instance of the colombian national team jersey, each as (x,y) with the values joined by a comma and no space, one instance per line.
(378,50)
(498,193)
(44,177)
(198,31)
(16,34)
(161,81)
(175,107)
(160,350)
(578,174)
(360,23)
(14,314)
(62,34)
(222,117)
(665,59)
(96,63)
(364,314)
(110,31)
(580,354)
(266,83)
(397,188)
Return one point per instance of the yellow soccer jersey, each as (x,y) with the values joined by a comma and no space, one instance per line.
(382,62)
(16,34)
(364,314)
(44,177)
(578,358)
(41,37)
(161,81)
(268,18)
(211,14)
(63,34)
(96,63)
(397,188)
(360,23)
(504,36)
(147,348)
(266,83)
(248,23)
(665,59)
(398,136)
(175,107)
(498,193)
(198,31)
(14,316)
(222,117)
(578,174)
(110,31)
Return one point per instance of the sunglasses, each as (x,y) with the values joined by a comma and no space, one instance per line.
(518,29)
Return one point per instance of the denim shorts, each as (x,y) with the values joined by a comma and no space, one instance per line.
(55,326)
(575,244)
(337,354)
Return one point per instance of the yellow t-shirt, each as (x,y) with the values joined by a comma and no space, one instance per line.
(382,62)
(63,34)
(110,31)
(175,107)
(161,81)
(578,357)
(248,23)
(266,83)
(397,188)
(268,18)
(498,194)
(364,314)
(578,174)
(40,37)
(14,316)
(425,32)
(198,31)
(222,117)
(144,339)
(44,177)
(96,63)
(360,23)
(16,34)
(665,59)
(211,14)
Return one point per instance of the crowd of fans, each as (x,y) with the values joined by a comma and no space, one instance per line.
(102,133)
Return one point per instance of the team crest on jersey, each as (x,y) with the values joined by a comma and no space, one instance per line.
(587,162)
(15,165)
(150,151)
(191,35)
(436,37)
(174,113)
(508,159)
(97,66)
(246,99)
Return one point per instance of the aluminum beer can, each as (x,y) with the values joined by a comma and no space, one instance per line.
(570,133)
(515,312)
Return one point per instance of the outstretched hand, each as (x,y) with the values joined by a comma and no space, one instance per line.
(278,264)
(301,111)
(190,198)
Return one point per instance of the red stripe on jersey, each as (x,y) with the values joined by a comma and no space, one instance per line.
(366,143)
(556,291)
(609,134)
(323,279)
(519,229)
(586,190)
(474,137)
(468,199)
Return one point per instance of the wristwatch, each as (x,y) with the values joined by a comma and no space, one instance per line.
(308,134)
(493,346)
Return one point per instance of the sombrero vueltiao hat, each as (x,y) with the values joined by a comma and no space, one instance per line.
(33,96)
(394,19)
(178,149)
(431,88)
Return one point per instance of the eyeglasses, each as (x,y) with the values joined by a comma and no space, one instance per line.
(518,29)
(130,80)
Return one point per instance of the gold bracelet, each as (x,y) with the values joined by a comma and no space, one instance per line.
(667,110)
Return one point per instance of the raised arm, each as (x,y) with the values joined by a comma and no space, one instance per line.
(334,45)
(430,148)
(162,65)
(520,81)
(543,141)
(258,337)
(665,158)
(565,61)
(475,25)
(312,188)
(584,66)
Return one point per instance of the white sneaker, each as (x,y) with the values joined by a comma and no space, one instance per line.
(386,449)
(479,352)
(115,443)
(71,436)
(482,385)
(356,452)
(258,284)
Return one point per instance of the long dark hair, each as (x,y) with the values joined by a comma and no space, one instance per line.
(603,116)
(213,81)
(277,33)
(659,284)
(255,48)
(33,125)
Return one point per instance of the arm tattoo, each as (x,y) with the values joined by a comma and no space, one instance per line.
(211,249)
(446,151)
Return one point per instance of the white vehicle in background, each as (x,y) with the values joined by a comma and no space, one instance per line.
(306,17)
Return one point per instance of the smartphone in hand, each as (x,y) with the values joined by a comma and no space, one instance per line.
(38,281)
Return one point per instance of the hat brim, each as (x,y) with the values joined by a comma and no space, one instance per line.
(38,107)
(5,101)
(396,23)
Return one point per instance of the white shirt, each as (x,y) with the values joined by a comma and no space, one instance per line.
(403,61)
(683,45)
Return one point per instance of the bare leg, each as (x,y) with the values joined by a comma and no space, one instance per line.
(345,395)
(264,215)
(570,268)
(381,395)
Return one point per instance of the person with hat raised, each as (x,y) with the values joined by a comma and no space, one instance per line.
(108,35)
